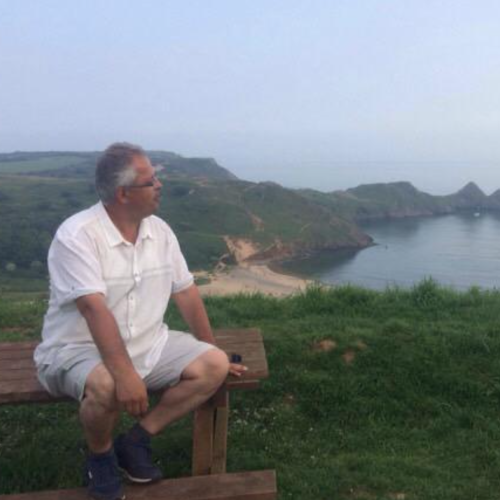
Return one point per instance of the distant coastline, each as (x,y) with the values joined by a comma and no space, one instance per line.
(220,220)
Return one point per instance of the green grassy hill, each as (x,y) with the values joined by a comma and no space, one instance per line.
(206,205)
(39,162)
(372,396)
(280,221)
(202,201)
(82,164)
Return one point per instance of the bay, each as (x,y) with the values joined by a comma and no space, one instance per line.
(459,251)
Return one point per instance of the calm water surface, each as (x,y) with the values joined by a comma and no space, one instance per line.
(456,250)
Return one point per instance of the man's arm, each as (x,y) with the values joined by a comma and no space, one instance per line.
(130,389)
(192,309)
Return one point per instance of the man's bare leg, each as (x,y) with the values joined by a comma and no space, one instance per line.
(199,381)
(99,410)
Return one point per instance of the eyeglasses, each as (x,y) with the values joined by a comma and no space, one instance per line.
(154,180)
(148,184)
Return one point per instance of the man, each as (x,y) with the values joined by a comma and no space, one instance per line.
(113,268)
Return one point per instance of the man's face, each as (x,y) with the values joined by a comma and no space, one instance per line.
(144,193)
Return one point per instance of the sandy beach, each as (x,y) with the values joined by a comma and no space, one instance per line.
(249,277)
(252,278)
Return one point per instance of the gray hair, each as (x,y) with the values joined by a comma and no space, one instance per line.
(115,169)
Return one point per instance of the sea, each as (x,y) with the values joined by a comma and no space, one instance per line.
(458,251)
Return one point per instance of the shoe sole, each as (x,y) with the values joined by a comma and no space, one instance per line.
(138,480)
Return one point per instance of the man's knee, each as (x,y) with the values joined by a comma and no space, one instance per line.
(217,365)
(211,368)
(100,388)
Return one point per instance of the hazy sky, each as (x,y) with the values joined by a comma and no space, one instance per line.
(325,94)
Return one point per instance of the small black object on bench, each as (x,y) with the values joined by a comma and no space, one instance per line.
(19,385)
(236,358)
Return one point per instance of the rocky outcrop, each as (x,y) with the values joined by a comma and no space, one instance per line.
(470,197)
(279,250)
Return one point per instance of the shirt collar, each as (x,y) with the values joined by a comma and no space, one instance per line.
(145,230)
(113,235)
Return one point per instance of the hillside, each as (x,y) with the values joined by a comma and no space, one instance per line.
(82,165)
(209,208)
(212,211)
(279,222)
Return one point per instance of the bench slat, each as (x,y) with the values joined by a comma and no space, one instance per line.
(25,391)
(16,346)
(255,485)
(25,369)
(251,355)
(246,334)
(30,390)
(16,364)
(19,383)
(22,374)
(12,354)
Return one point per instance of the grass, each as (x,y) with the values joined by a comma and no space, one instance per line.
(372,395)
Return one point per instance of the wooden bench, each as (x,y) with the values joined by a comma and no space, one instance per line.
(19,385)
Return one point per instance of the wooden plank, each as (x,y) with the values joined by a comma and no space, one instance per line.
(22,374)
(224,337)
(31,391)
(228,335)
(257,367)
(15,346)
(221,418)
(25,391)
(249,344)
(26,368)
(255,485)
(248,385)
(231,332)
(16,364)
(203,438)
(240,336)
(16,354)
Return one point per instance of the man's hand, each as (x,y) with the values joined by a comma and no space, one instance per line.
(131,391)
(132,394)
(237,369)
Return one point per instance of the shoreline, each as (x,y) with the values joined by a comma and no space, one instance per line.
(251,278)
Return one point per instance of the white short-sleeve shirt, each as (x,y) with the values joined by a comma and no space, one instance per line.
(89,255)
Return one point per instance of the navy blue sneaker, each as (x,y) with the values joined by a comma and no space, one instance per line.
(133,451)
(103,477)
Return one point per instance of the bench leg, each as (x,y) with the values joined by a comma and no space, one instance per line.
(210,435)
(221,419)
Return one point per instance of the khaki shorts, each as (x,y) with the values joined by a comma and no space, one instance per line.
(180,350)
